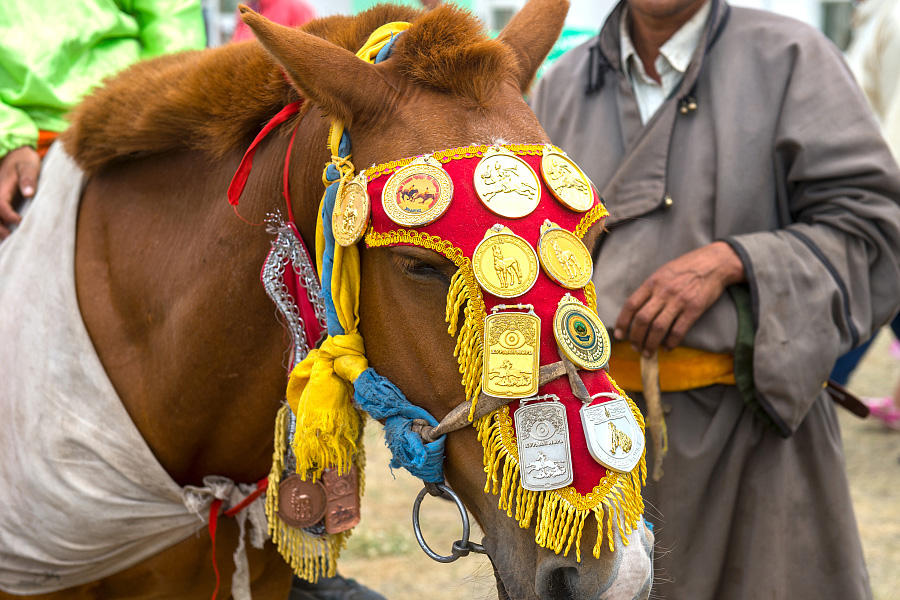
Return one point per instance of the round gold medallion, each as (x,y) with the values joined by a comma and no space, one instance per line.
(350,216)
(505,264)
(564,257)
(580,334)
(418,193)
(566,181)
(506,184)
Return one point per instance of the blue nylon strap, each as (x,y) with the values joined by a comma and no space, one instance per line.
(384,401)
(373,393)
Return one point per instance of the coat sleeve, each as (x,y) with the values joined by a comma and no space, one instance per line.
(16,129)
(169,26)
(830,275)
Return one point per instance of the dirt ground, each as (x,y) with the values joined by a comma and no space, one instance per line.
(383,552)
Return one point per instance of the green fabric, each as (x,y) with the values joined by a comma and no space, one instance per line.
(743,353)
(52,53)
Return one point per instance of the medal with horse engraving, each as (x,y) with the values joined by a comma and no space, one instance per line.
(506,184)
(542,434)
(300,503)
(580,334)
(512,343)
(341,500)
(418,193)
(505,264)
(351,212)
(564,257)
(613,435)
(566,181)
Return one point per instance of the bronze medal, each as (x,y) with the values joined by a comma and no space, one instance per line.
(613,435)
(418,193)
(566,181)
(580,334)
(341,500)
(504,263)
(512,342)
(351,212)
(300,503)
(564,257)
(506,184)
(542,435)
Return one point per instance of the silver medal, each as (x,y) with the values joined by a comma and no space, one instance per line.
(613,435)
(542,432)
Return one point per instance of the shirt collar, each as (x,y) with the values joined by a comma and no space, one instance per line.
(678,49)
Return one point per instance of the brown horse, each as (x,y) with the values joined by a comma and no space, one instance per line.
(167,275)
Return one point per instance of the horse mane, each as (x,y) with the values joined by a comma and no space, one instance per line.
(216,100)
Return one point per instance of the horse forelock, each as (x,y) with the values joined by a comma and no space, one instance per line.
(216,100)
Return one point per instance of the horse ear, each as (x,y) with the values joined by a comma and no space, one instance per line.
(344,86)
(531,34)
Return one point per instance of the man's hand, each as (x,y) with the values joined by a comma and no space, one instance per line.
(671,300)
(18,170)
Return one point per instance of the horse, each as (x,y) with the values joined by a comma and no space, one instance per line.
(166,274)
(507,269)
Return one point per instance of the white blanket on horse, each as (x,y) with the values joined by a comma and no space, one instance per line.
(81,495)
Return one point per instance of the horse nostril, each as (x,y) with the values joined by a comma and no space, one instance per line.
(562,583)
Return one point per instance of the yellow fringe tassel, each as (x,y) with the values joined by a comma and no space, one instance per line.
(309,556)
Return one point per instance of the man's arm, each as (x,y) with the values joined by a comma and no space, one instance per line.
(19,162)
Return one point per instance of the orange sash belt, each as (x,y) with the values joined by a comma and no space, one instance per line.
(679,369)
(45,138)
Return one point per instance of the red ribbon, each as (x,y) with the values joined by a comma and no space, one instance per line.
(261,487)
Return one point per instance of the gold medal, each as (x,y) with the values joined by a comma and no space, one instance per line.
(351,212)
(505,264)
(512,343)
(613,435)
(418,193)
(564,257)
(580,334)
(567,182)
(506,184)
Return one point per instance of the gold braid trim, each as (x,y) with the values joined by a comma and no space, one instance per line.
(597,212)
(446,156)
(559,515)
(464,293)
(309,556)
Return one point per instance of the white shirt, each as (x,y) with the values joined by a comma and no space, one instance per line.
(671,63)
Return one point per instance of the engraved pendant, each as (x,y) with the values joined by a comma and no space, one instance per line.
(506,184)
(341,500)
(418,193)
(505,264)
(580,334)
(300,503)
(512,343)
(564,258)
(542,434)
(613,435)
(351,212)
(566,181)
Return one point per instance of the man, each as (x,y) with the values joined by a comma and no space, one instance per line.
(52,53)
(735,154)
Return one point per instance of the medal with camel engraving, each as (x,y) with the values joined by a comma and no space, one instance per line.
(505,264)
(506,184)
(351,212)
(512,343)
(564,257)
(613,435)
(566,181)
(580,334)
(300,503)
(418,193)
(341,500)
(542,434)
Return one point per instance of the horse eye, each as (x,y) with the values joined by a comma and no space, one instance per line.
(419,269)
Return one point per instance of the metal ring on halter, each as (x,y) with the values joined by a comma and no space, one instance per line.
(460,547)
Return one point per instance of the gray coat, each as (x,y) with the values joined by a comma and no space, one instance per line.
(782,159)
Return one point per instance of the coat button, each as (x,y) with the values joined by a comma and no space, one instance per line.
(667,201)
